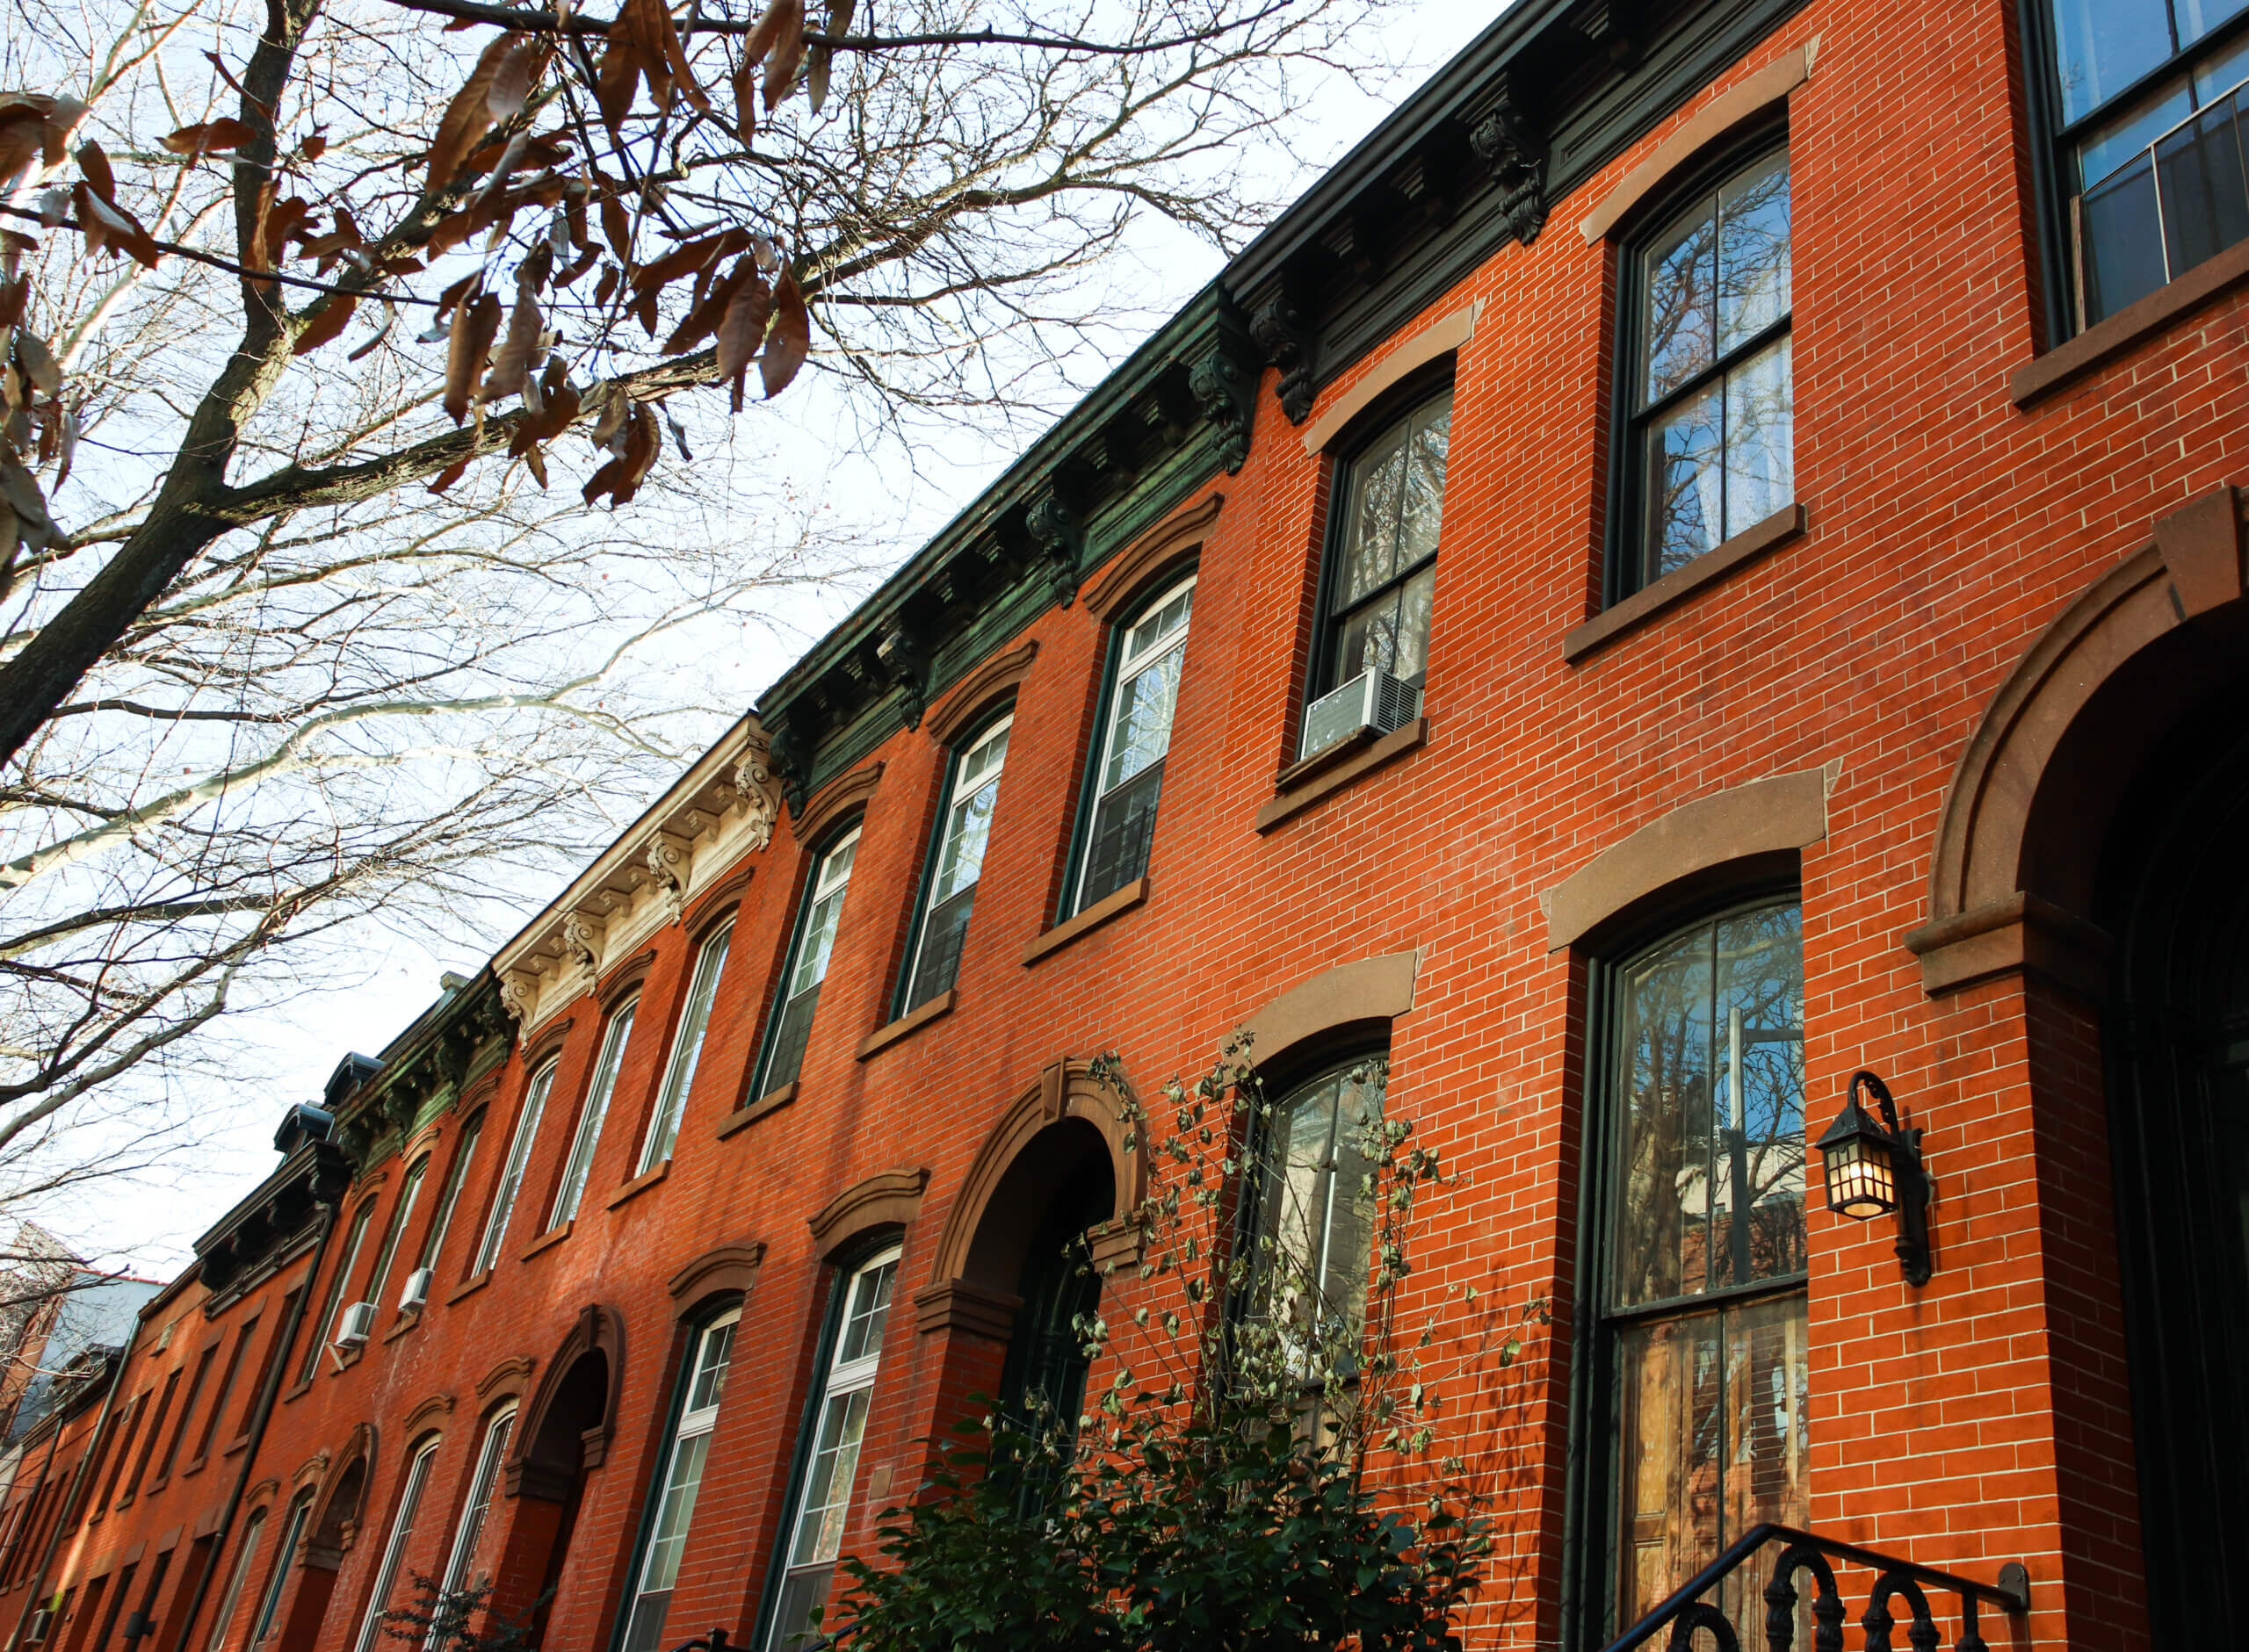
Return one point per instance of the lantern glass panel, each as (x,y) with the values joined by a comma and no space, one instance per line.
(1860,1184)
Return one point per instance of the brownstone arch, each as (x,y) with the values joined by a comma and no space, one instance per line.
(2012,885)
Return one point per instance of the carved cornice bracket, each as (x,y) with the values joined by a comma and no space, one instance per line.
(1059,532)
(905,661)
(581,939)
(1224,383)
(1511,140)
(1283,328)
(668,859)
(756,793)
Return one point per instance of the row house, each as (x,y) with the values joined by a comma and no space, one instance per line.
(1688,597)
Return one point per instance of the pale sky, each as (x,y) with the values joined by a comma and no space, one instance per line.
(287,1053)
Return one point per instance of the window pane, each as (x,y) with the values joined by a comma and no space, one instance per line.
(668,1538)
(1166,622)
(1662,1238)
(2103,46)
(943,933)
(687,1048)
(587,1135)
(1758,1027)
(2122,240)
(827,1483)
(819,939)
(1142,732)
(1753,274)
(1423,508)
(1678,312)
(866,1314)
(1713,1437)
(1124,825)
(960,862)
(1760,438)
(1318,1212)
(2198,170)
(804,1590)
(511,1172)
(790,1038)
(464,1156)
(1372,556)
(710,1385)
(401,1213)
(2197,18)
(1686,502)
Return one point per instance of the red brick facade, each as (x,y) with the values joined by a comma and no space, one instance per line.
(1984,1418)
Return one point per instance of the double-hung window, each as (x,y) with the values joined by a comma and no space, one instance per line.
(371,1631)
(408,1195)
(1699,1255)
(332,1305)
(686,1049)
(679,1478)
(460,1558)
(785,1045)
(293,1531)
(1135,737)
(231,1600)
(1712,449)
(579,1165)
(1374,647)
(1315,1213)
(511,1170)
(821,1508)
(441,1219)
(2154,112)
(957,861)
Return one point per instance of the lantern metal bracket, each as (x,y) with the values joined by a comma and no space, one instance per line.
(1913,1178)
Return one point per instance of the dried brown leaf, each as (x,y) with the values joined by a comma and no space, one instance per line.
(93,165)
(38,363)
(450,474)
(518,72)
(474,324)
(209,137)
(328,322)
(511,362)
(788,52)
(789,341)
(469,115)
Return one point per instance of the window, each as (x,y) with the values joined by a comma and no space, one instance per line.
(587,1137)
(293,1531)
(686,1048)
(678,1479)
(785,1051)
(511,1172)
(156,1430)
(226,1391)
(957,861)
(402,1528)
(1699,1256)
(272,1353)
(821,1505)
(2152,109)
(1372,652)
(131,1427)
(332,1304)
(1136,735)
(230,1600)
(433,1242)
(187,1410)
(1712,443)
(461,1558)
(409,1192)
(1315,1211)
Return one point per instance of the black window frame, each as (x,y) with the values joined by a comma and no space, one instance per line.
(1397,405)
(1144,601)
(761,1071)
(1589,1497)
(957,750)
(1625,537)
(2053,137)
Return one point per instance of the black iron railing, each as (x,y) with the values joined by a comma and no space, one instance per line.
(1900,1587)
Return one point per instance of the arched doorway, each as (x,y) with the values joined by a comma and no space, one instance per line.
(563,1436)
(2175,894)
(1061,1188)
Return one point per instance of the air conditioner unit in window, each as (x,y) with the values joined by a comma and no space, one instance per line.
(357,1323)
(417,1289)
(1373,699)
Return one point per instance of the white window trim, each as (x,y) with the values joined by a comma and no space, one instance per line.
(402,1528)
(964,787)
(511,1171)
(578,1166)
(686,1049)
(1127,668)
(483,1482)
(692,1424)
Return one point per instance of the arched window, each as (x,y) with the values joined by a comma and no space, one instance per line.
(1373,650)
(409,1193)
(230,1600)
(686,1049)
(1135,737)
(679,1478)
(460,1556)
(511,1171)
(1315,1211)
(579,1165)
(441,1219)
(799,995)
(819,1501)
(1697,1260)
(293,1531)
(347,1263)
(1712,404)
(956,864)
(402,1529)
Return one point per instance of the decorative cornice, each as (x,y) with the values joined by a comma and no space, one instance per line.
(889,1197)
(429,1412)
(807,823)
(977,689)
(512,1370)
(1123,577)
(725,1267)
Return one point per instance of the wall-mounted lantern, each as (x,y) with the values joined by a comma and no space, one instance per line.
(1875,1168)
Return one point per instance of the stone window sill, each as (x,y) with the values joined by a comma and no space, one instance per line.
(1619,618)
(406,1320)
(1109,905)
(2131,326)
(346,1358)
(749,1112)
(549,1239)
(196,1468)
(240,1443)
(469,1287)
(1300,786)
(883,1037)
(641,1183)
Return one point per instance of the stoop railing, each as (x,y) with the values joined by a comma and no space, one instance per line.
(1899,1586)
